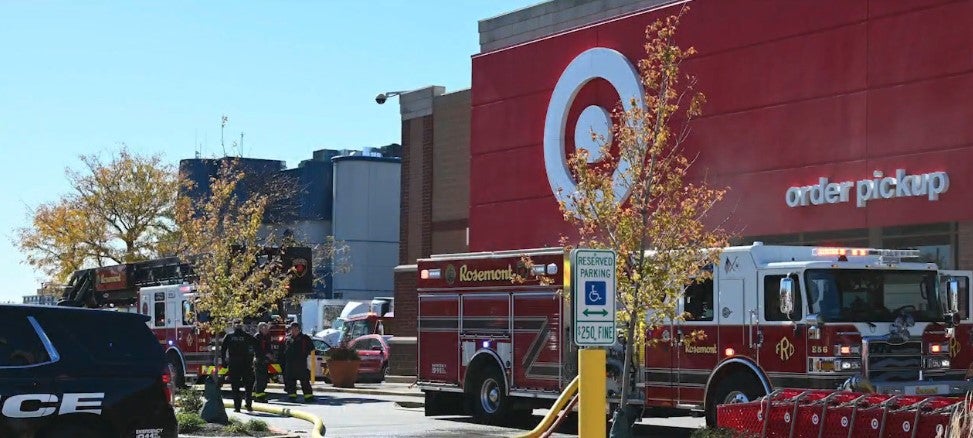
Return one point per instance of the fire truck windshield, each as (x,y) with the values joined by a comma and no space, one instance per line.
(866,295)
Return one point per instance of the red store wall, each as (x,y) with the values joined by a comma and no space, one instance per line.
(796,90)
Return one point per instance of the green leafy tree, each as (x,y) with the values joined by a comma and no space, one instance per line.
(223,237)
(118,211)
(658,229)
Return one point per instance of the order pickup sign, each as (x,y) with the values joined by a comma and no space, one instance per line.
(593,285)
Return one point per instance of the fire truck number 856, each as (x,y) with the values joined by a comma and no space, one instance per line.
(822,349)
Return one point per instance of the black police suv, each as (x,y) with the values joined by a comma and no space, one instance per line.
(70,372)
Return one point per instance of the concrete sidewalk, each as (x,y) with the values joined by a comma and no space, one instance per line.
(397,386)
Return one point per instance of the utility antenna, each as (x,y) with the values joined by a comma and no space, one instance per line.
(240,151)
(222,127)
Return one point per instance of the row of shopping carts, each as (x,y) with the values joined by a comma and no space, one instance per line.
(797,413)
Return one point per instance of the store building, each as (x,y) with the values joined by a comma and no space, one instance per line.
(831,122)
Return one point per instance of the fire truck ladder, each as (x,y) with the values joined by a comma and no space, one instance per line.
(81,290)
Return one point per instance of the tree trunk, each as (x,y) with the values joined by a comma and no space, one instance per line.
(621,422)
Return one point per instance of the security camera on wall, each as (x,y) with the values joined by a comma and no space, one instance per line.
(381,98)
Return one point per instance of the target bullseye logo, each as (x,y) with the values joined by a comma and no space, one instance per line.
(595,63)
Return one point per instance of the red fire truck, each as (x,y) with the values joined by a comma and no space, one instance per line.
(850,317)
(163,289)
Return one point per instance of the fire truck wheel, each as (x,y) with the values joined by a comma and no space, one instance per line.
(175,370)
(738,387)
(490,401)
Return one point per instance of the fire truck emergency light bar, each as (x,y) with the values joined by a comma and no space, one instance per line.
(427,274)
(861,252)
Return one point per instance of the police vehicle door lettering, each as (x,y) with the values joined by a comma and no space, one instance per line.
(13,406)
(84,402)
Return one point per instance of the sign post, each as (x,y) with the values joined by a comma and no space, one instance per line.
(593,297)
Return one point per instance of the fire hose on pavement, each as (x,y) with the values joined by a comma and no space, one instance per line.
(552,415)
(318,429)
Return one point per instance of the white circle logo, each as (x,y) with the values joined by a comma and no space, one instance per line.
(787,417)
(591,64)
(906,426)
(815,419)
(874,423)
(844,421)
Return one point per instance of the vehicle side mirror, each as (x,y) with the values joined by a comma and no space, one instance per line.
(787,296)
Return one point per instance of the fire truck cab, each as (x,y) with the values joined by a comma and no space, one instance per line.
(770,317)
(190,351)
(172,321)
(816,318)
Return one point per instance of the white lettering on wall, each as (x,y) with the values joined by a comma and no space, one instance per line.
(929,185)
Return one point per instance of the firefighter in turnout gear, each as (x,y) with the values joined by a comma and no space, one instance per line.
(296,350)
(264,356)
(237,351)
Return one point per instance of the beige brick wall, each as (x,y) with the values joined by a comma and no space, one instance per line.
(435,205)
(451,157)
(551,17)
(446,241)
(412,175)
(964,245)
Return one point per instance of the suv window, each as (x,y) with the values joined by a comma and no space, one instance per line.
(320,345)
(110,339)
(19,344)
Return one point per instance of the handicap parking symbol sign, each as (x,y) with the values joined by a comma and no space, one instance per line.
(594,293)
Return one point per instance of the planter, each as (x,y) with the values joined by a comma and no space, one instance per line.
(343,373)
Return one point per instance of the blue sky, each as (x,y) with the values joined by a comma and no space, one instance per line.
(84,77)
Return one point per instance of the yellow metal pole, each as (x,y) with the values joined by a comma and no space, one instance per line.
(314,366)
(593,402)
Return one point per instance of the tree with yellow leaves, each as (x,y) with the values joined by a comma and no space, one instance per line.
(648,211)
(223,236)
(119,211)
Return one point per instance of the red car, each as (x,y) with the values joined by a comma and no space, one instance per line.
(374,353)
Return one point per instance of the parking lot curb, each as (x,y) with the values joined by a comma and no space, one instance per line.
(400,379)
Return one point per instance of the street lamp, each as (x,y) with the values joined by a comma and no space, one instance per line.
(382,97)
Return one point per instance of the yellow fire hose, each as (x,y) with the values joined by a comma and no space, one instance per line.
(552,415)
(316,432)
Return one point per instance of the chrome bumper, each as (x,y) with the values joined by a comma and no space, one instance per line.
(942,387)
